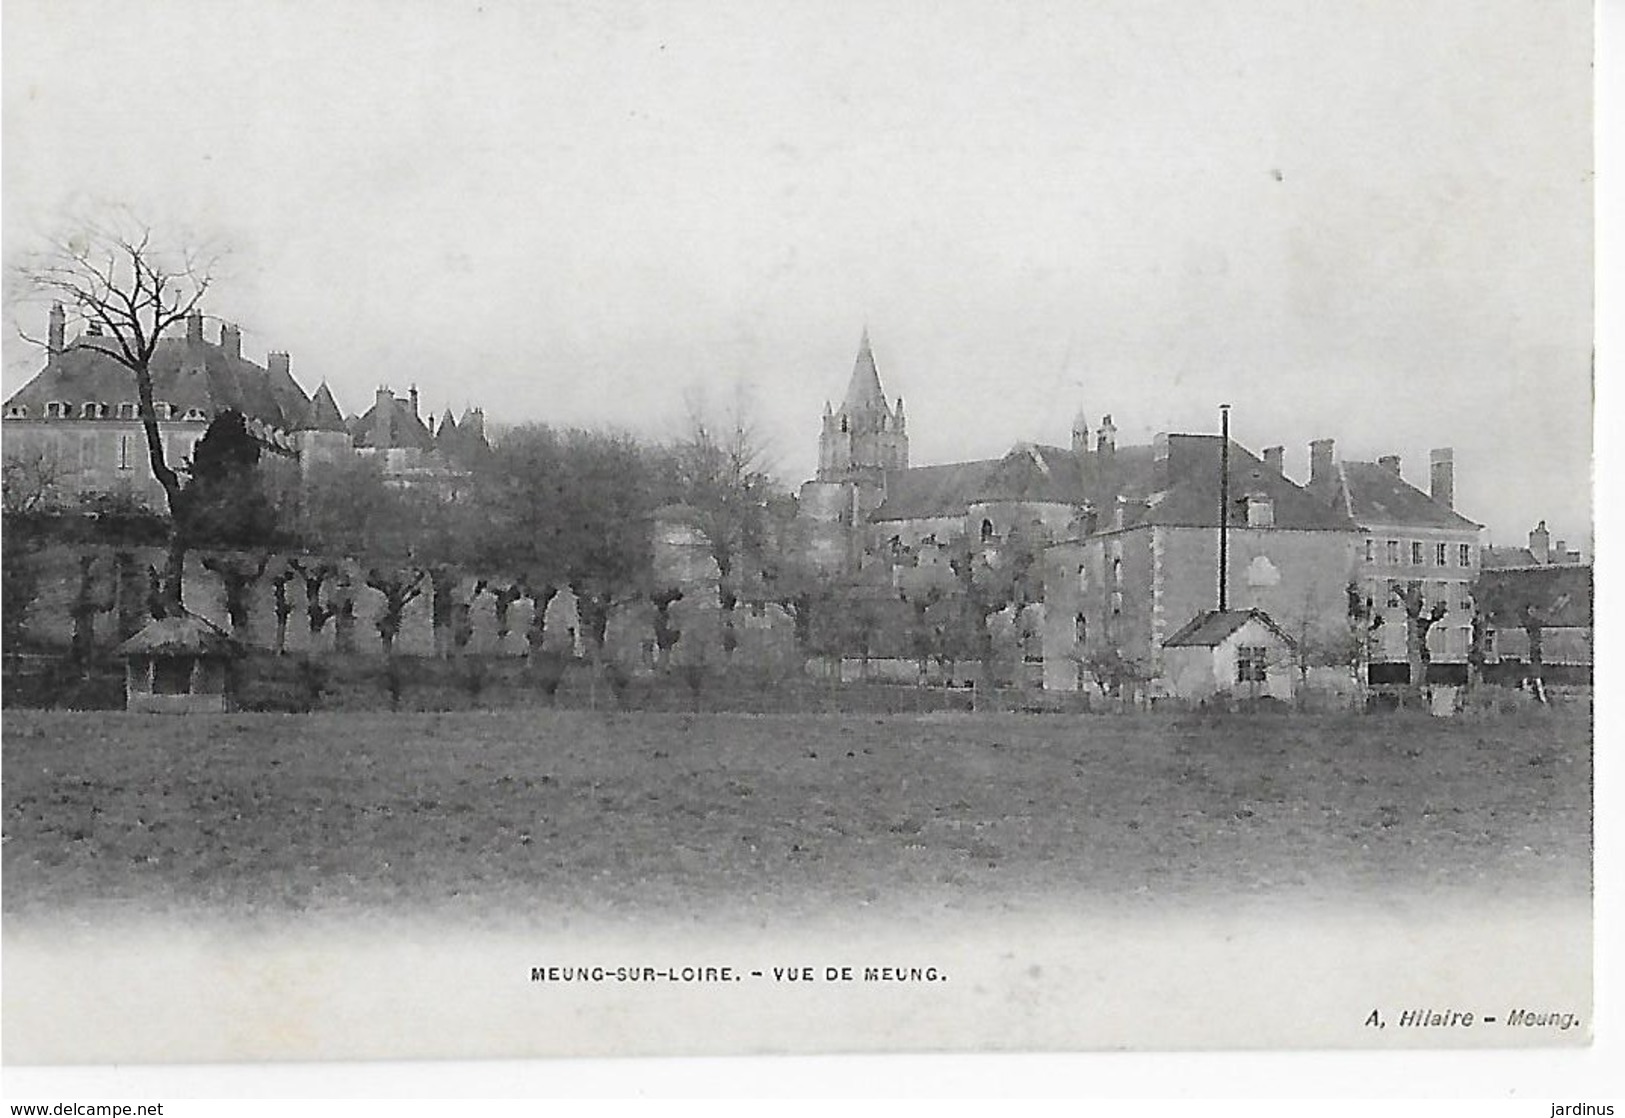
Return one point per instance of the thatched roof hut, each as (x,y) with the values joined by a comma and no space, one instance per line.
(177,665)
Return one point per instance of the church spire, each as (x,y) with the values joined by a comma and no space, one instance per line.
(864,392)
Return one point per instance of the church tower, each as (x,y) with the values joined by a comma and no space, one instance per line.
(860,441)
(864,437)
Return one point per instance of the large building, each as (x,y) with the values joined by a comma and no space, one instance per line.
(79,415)
(1129,536)
(80,412)
(1412,541)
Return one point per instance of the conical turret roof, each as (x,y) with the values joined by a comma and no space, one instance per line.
(323,414)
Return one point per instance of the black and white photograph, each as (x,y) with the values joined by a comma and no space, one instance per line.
(564,530)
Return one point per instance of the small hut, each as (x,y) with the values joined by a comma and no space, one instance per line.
(1239,653)
(176,665)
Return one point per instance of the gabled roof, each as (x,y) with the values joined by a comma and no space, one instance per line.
(183,635)
(1191,490)
(323,413)
(1210,629)
(1029,472)
(405,428)
(1508,557)
(1378,495)
(188,374)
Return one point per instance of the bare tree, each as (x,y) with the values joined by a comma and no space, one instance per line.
(132,286)
(719,470)
(32,481)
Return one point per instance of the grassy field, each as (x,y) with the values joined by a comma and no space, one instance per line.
(526,813)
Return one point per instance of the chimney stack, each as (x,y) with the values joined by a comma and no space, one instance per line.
(231,340)
(1442,466)
(1540,541)
(383,405)
(276,363)
(1320,461)
(1561,552)
(412,394)
(194,326)
(1274,457)
(1389,462)
(58,330)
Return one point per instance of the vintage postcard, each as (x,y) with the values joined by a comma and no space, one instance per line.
(556,530)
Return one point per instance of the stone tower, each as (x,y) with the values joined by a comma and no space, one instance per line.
(860,441)
(864,437)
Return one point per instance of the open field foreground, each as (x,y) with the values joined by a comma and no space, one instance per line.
(569,815)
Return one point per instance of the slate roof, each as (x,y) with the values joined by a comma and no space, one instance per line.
(323,413)
(1376,494)
(186,635)
(1210,629)
(1508,557)
(1030,472)
(188,374)
(1191,491)
(863,393)
(405,428)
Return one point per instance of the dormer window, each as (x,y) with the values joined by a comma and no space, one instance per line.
(17,411)
(126,411)
(56,409)
(1260,511)
(194,413)
(163,410)
(89,410)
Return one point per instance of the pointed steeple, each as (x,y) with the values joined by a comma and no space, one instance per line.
(864,392)
(323,413)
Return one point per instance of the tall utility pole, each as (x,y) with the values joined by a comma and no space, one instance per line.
(1224,507)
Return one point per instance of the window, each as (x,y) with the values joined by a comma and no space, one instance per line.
(195,413)
(126,411)
(124,452)
(1416,552)
(171,675)
(17,411)
(1439,554)
(1252,664)
(1393,551)
(1260,512)
(1464,555)
(1370,551)
(1080,630)
(56,409)
(163,410)
(987,530)
(1083,579)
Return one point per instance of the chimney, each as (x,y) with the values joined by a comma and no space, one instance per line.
(58,330)
(194,326)
(1274,456)
(1442,466)
(1106,442)
(1389,462)
(1540,543)
(231,340)
(383,407)
(1561,552)
(1320,461)
(1159,462)
(412,394)
(276,363)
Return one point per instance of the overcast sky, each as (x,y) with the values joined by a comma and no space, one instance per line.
(1367,221)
